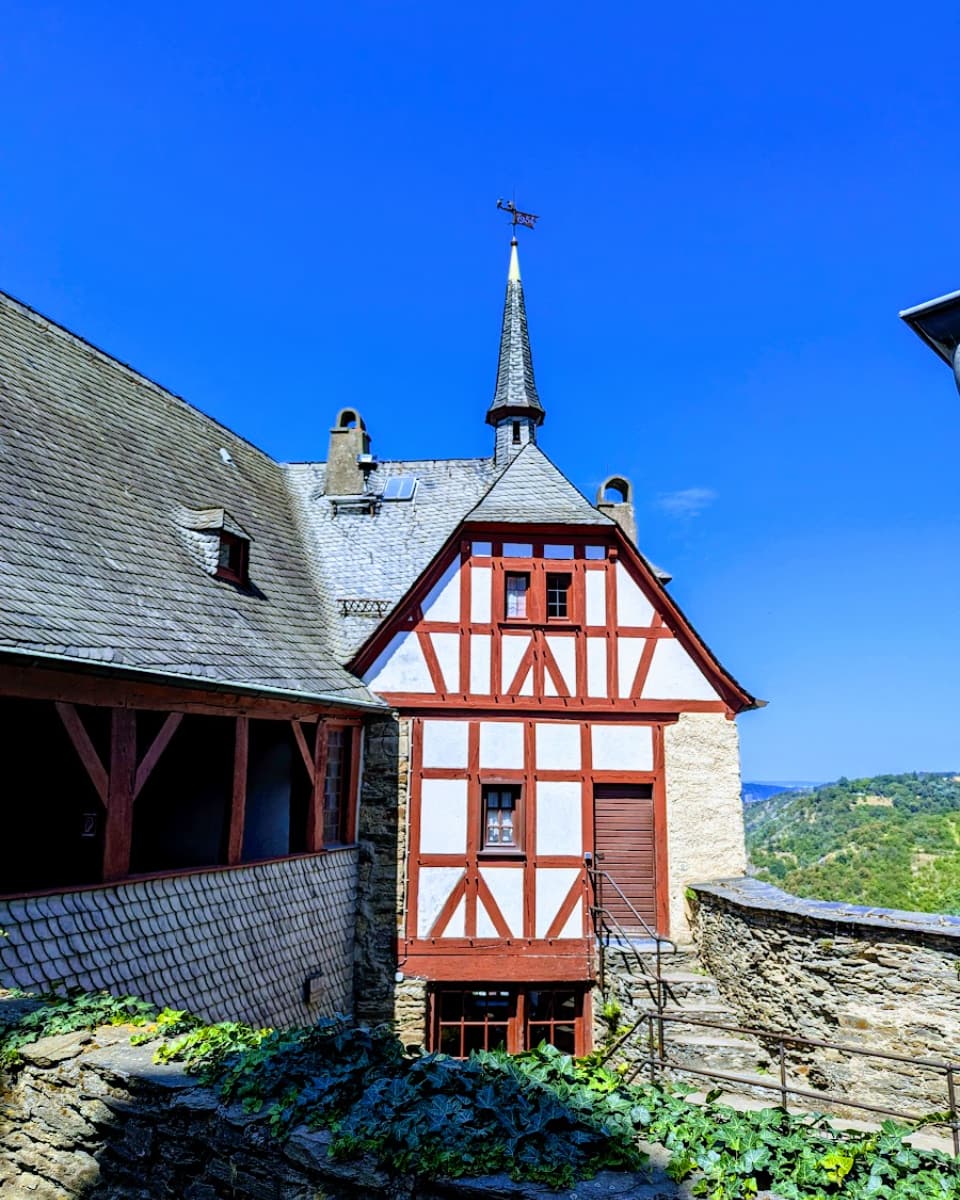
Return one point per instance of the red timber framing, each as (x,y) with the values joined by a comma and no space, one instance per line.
(119,779)
(537,674)
(516,956)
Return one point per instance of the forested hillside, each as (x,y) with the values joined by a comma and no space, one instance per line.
(893,841)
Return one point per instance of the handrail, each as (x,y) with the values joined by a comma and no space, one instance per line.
(595,873)
(657,1059)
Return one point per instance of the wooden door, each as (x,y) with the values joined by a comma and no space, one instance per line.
(624,840)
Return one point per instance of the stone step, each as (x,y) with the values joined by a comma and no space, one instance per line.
(731,1053)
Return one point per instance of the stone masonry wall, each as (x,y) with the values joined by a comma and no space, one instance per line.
(93,1118)
(704,811)
(226,944)
(382,837)
(876,978)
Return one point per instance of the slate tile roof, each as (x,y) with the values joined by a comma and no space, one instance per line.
(532,490)
(96,463)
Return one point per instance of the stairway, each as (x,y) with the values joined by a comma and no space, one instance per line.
(689,992)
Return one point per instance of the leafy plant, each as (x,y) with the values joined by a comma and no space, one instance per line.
(67,1014)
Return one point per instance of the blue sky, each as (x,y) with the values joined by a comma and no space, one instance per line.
(279,209)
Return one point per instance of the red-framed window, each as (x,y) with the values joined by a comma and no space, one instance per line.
(497,1017)
(500,803)
(338,785)
(558,595)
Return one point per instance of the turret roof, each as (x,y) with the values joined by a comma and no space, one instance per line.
(516,391)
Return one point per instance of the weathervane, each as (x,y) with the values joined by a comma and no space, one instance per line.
(519,218)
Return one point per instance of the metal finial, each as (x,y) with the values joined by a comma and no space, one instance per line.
(526,219)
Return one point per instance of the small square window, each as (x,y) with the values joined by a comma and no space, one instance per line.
(517,550)
(232,558)
(595,552)
(557,551)
(501,830)
(481,549)
(558,597)
(516,593)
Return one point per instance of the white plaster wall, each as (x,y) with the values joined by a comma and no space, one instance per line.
(553,884)
(675,676)
(563,650)
(401,668)
(596,584)
(435,885)
(457,926)
(480,664)
(558,746)
(633,608)
(445,743)
(512,649)
(480,591)
(501,744)
(596,666)
(446,646)
(506,887)
(443,816)
(629,651)
(622,747)
(559,818)
(443,601)
(704,811)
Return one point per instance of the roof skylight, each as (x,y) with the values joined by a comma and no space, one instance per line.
(400,487)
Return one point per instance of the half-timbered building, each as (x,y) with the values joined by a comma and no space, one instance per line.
(357,733)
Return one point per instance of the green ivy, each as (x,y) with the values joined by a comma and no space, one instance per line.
(68,1013)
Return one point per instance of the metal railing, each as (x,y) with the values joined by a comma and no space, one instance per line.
(657,1060)
(657,1019)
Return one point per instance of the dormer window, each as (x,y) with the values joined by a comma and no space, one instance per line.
(232,558)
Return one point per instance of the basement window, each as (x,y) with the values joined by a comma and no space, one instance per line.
(232,558)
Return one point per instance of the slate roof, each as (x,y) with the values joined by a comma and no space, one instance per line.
(532,490)
(97,467)
(358,555)
(516,389)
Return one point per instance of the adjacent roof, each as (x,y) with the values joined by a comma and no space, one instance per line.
(533,491)
(516,391)
(97,467)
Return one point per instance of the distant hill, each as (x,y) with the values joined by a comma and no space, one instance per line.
(891,841)
(751,793)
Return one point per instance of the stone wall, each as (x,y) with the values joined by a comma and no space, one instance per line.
(382,837)
(92,1118)
(876,978)
(229,944)
(704,811)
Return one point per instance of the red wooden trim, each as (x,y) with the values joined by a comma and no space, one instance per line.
(305,753)
(318,775)
(585,1030)
(475,816)
(613,658)
(107,689)
(450,906)
(661,864)
(84,747)
(413,849)
(466,586)
(571,900)
(422,703)
(486,897)
(472,964)
(123,768)
(520,675)
(238,798)
(157,747)
(529,829)
(433,663)
(551,667)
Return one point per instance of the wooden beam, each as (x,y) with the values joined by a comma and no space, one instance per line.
(84,747)
(123,770)
(238,800)
(305,752)
(315,803)
(157,747)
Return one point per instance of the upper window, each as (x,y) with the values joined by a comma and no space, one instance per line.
(232,557)
(336,786)
(501,829)
(516,595)
(558,597)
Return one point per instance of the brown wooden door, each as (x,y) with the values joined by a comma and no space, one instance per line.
(623,829)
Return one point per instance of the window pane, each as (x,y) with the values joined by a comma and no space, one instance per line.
(335,785)
(496,1037)
(594,552)
(558,552)
(564,1038)
(484,549)
(517,550)
(451,1006)
(558,588)
(450,1042)
(516,595)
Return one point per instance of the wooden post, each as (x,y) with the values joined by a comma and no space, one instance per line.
(120,791)
(315,805)
(238,802)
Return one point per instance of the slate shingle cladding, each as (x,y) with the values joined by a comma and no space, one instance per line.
(96,463)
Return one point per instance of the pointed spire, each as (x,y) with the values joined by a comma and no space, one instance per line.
(516,392)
